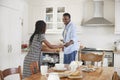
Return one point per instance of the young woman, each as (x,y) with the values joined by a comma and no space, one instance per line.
(35,42)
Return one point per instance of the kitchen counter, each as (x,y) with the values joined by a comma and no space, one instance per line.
(117,52)
(96,49)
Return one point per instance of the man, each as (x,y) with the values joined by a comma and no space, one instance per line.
(70,39)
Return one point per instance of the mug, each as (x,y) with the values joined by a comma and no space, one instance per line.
(44,69)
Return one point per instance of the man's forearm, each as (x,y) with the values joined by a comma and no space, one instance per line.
(69,43)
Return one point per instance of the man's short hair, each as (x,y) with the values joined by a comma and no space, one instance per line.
(67,14)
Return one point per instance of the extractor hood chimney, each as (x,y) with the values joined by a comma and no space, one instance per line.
(98,19)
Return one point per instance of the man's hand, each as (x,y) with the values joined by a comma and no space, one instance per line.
(68,43)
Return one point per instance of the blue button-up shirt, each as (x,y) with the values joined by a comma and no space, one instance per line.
(69,33)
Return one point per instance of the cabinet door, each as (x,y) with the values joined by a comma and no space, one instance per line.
(14,38)
(54,19)
(117,16)
(9,37)
(4,47)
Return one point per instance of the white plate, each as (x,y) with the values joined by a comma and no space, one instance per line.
(88,69)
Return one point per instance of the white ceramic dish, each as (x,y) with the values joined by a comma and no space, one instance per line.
(88,69)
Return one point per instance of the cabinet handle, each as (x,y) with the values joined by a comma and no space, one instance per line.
(8,48)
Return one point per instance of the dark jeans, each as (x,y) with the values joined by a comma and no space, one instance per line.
(69,57)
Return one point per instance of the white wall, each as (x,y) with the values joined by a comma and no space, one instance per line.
(98,37)
(80,10)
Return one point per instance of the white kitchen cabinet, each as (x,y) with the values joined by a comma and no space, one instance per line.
(10,37)
(117,60)
(117,16)
(53,18)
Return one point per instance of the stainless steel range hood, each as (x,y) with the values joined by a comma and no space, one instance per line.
(98,19)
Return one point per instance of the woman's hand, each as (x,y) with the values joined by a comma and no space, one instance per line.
(61,45)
